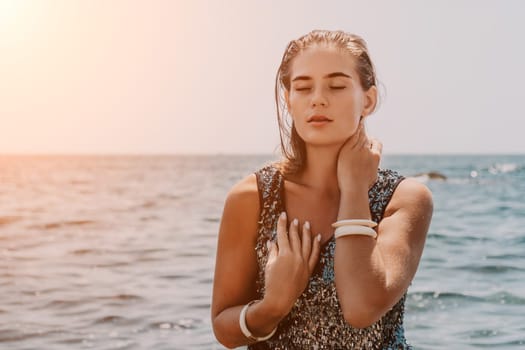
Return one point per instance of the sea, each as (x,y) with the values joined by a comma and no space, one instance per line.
(118,252)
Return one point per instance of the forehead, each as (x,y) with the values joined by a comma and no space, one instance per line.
(320,61)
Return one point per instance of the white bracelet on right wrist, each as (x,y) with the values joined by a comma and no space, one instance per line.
(244,327)
(359,222)
(351,230)
(362,227)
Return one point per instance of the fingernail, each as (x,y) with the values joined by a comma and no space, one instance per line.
(307,225)
(295,222)
(268,244)
(319,238)
(283,215)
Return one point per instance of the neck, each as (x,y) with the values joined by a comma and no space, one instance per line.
(320,172)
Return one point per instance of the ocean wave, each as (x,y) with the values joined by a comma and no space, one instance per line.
(499,345)
(113,264)
(182,324)
(9,276)
(61,224)
(169,196)
(503,168)
(146,218)
(62,304)
(482,333)
(468,175)
(85,251)
(492,338)
(436,295)
(457,240)
(498,269)
(16,335)
(114,319)
(496,169)
(211,219)
(429,299)
(121,297)
(518,240)
(504,297)
(430,175)
(177,276)
(506,256)
(6,220)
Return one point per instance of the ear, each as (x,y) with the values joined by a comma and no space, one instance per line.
(370,101)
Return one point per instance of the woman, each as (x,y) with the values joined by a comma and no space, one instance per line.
(318,251)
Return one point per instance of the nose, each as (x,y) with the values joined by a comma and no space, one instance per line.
(319,99)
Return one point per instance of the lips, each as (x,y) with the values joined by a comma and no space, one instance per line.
(318,118)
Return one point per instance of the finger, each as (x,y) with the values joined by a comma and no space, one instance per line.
(377,146)
(274,251)
(354,139)
(362,138)
(365,143)
(366,139)
(306,241)
(282,235)
(293,235)
(314,257)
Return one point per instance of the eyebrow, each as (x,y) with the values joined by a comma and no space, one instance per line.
(331,75)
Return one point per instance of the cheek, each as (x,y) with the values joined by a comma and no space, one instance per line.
(353,113)
(295,102)
(295,108)
(351,121)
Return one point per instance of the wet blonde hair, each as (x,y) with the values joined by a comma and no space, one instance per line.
(292,146)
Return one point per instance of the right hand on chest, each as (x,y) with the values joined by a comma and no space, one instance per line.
(291,262)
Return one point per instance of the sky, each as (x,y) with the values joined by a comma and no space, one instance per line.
(197,77)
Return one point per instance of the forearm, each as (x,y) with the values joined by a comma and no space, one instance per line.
(261,319)
(360,274)
(354,204)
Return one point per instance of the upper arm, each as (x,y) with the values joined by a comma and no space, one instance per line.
(402,234)
(236,261)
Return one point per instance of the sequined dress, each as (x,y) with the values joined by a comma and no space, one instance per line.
(316,320)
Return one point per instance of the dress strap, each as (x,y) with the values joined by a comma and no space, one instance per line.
(381,192)
(270,187)
(269,184)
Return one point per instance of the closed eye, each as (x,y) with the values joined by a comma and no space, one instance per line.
(302,89)
(338,87)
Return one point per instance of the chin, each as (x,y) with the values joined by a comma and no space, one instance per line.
(328,143)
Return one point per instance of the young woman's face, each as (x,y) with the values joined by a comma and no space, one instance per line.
(326,99)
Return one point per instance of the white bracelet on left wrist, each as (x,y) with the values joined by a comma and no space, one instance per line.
(244,327)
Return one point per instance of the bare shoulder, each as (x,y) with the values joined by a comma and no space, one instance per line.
(411,195)
(244,195)
(241,211)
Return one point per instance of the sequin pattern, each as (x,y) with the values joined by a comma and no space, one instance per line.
(316,320)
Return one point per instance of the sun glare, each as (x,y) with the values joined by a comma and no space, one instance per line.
(9,12)
(18,21)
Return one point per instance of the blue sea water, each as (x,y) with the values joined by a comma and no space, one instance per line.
(118,252)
